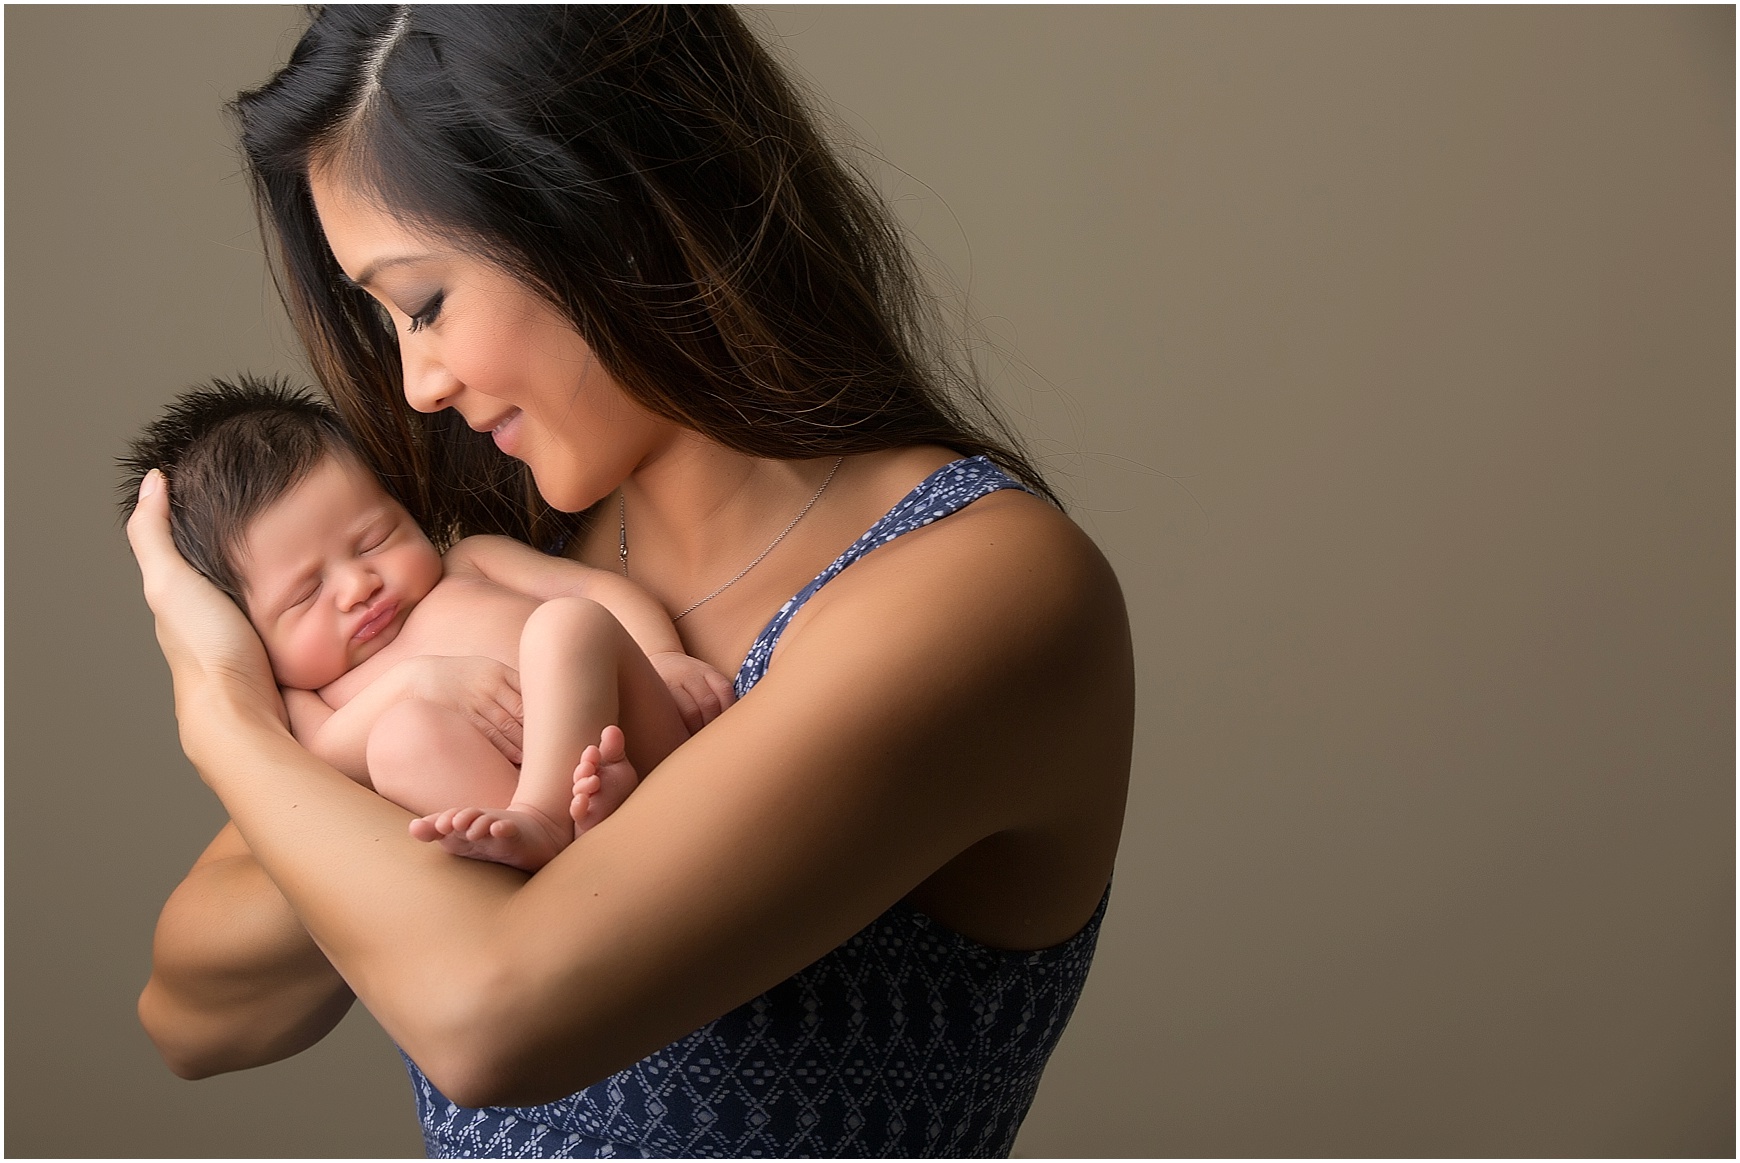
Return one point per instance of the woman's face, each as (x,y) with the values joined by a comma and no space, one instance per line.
(475,339)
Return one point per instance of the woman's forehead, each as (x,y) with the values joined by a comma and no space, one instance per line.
(366,237)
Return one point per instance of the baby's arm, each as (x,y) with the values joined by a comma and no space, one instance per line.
(701,692)
(482,689)
(308,714)
(521,568)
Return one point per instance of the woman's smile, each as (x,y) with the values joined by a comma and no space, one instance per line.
(506,432)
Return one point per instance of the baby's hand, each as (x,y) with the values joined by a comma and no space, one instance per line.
(485,691)
(700,691)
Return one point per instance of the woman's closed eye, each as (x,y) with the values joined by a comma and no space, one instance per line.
(427,313)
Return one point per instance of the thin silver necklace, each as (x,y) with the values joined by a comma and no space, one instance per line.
(622,540)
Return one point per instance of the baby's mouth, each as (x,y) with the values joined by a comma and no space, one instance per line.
(379,619)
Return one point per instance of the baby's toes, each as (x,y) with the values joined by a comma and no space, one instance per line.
(472,823)
(585,787)
(612,746)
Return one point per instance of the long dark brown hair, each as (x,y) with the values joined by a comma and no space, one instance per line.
(652,173)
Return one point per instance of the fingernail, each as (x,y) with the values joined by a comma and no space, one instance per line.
(149,486)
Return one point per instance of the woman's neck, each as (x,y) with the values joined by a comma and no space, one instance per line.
(696,512)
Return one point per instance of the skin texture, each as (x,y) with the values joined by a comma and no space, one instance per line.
(947,722)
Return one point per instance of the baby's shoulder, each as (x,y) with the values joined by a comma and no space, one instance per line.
(466,557)
(463,586)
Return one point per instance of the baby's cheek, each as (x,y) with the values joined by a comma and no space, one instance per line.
(305,660)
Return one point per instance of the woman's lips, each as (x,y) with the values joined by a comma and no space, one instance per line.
(506,433)
(378,620)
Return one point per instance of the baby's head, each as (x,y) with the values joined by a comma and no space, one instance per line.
(269,499)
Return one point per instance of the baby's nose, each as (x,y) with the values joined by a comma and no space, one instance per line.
(360,585)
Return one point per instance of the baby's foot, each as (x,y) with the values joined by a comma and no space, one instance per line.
(602,781)
(518,835)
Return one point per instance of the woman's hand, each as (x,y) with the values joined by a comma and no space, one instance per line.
(209,645)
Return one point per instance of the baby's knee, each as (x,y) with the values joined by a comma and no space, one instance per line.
(571,623)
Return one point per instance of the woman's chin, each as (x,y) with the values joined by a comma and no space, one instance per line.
(560,491)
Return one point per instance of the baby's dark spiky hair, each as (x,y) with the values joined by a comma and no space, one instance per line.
(229,449)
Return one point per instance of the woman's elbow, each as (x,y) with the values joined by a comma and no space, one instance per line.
(191,1058)
(197,1043)
(493,1045)
(483,1070)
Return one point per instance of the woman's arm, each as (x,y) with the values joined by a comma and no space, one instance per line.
(235,979)
(894,732)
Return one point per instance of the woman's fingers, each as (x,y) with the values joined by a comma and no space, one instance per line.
(199,629)
(148,534)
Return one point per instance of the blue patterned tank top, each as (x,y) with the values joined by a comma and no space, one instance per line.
(908,1040)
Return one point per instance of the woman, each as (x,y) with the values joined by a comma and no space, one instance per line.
(851,915)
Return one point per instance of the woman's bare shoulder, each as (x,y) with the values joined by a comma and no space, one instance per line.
(985,661)
(1007,569)
(1002,622)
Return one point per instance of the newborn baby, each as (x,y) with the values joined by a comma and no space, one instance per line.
(391,656)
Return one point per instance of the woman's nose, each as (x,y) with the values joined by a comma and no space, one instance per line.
(429,386)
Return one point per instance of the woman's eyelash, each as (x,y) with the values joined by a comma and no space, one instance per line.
(427,315)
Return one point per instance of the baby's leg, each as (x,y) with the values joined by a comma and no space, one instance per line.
(425,757)
(579,673)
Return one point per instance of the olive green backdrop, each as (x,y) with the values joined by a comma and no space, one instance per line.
(1387,352)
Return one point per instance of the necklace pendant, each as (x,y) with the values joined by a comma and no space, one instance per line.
(622,533)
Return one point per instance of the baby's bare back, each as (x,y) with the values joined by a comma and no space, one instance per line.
(463,615)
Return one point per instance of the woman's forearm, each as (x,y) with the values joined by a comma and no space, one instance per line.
(386,910)
(324,889)
(236,981)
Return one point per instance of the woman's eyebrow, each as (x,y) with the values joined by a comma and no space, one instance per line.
(369,272)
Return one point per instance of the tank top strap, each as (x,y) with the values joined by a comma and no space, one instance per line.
(949,489)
